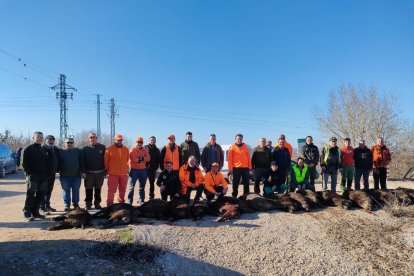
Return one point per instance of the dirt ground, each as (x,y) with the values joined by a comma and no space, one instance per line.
(329,241)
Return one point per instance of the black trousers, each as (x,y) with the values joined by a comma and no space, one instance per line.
(259,175)
(210,195)
(199,192)
(93,185)
(36,190)
(49,188)
(380,177)
(243,174)
(151,177)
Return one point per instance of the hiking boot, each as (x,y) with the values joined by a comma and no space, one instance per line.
(76,206)
(88,206)
(28,216)
(36,214)
(44,211)
(98,206)
(67,208)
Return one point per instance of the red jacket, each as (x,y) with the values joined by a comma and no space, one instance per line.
(347,156)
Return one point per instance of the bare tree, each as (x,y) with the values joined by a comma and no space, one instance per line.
(359,112)
(14,141)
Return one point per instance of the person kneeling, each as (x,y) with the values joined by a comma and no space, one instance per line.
(214,184)
(169,183)
(299,177)
(191,179)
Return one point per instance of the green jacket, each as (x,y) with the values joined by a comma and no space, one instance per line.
(70,162)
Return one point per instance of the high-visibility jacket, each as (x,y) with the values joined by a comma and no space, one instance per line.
(300,175)
(116,160)
(185,178)
(288,146)
(239,157)
(326,155)
(172,156)
(381,156)
(212,180)
(138,158)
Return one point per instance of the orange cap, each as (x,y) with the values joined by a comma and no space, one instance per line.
(118,137)
(140,139)
(215,164)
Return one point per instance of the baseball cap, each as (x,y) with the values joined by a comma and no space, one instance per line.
(51,137)
(333,139)
(118,137)
(171,136)
(140,139)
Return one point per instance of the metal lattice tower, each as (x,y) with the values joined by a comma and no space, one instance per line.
(112,115)
(98,116)
(63,96)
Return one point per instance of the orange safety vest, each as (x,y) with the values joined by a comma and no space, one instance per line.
(172,156)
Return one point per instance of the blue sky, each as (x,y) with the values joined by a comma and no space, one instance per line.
(223,67)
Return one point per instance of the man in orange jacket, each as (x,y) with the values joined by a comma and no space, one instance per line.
(239,164)
(116,164)
(382,158)
(191,179)
(171,152)
(214,183)
(138,158)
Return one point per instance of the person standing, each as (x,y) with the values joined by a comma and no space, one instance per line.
(347,165)
(310,154)
(214,184)
(287,145)
(281,157)
(71,167)
(299,177)
(239,165)
(381,158)
(138,158)
(169,183)
(261,159)
(152,165)
(363,164)
(212,153)
(191,179)
(94,176)
(34,163)
(269,145)
(52,167)
(171,152)
(189,148)
(330,162)
(116,164)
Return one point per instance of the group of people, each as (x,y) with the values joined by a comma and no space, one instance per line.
(181,171)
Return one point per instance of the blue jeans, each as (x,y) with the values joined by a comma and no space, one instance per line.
(134,175)
(70,183)
(365,174)
(334,178)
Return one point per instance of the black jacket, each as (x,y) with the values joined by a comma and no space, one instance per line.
(363,158)
(93,157)
(282,158)
(35,160)
(206,157)
(310,154)
(154,153)
(52,159)
(261,157)
(170,180)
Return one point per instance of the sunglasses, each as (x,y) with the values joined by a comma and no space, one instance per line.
(69,142)
(140,142)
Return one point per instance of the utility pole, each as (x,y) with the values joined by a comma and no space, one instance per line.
(98,116)
(63,96)
(112,115)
